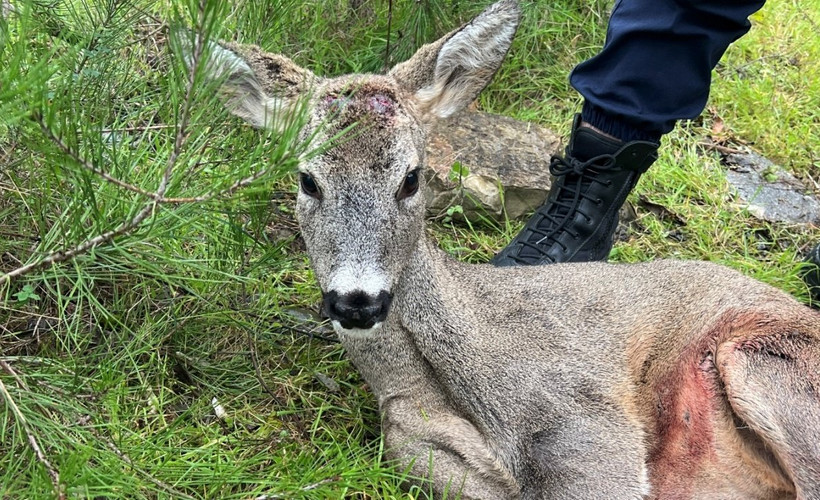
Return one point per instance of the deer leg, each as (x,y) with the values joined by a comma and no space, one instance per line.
(589,452)
(772,382)
(446,450)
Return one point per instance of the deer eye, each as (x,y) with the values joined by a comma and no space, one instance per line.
(409,186)
(309,186)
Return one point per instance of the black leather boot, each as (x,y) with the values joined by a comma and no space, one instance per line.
(811,275)
(590,184)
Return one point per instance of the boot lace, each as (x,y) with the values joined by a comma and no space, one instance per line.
(552,219)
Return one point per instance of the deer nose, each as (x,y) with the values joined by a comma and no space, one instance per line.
(357,309)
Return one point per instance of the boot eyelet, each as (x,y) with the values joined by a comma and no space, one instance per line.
(609,182)
(599,202)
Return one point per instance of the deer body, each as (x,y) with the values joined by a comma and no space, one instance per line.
(668,379)
(587,381)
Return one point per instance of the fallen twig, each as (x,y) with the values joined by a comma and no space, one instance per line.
(19,236)
(137,128)
(32,439)
(8,369)
(720,149)
(86,421)
(258,371)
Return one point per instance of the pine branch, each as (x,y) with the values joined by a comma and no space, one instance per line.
(155,198)
(62,146)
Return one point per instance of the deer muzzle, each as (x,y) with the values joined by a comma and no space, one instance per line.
(357,309)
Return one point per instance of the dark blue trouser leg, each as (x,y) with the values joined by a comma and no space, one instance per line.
(655,67)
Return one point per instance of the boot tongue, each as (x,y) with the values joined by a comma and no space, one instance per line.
(587,144)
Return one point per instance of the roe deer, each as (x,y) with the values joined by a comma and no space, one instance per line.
(666,379)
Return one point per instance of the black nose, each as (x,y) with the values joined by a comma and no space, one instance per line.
(357,309)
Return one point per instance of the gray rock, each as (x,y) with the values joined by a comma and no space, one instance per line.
(501,165)
(770,193)
(6,8)
(330,384)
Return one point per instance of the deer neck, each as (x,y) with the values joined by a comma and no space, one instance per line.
(431,302)
(425,273)
(436,311)
(392,360)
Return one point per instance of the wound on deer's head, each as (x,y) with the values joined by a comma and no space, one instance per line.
(361,105)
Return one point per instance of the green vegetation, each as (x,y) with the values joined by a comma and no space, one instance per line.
(116,365)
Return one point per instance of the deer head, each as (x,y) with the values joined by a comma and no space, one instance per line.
(360,205)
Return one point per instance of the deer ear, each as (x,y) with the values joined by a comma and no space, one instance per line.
(447,75)
(259,87)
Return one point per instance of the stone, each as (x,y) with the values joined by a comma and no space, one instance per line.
(6,8)
(770,193)
(491,165)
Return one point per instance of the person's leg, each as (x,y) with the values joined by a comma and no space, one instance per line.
(655,68)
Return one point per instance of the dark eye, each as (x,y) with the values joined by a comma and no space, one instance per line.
(409,186)
(309,186)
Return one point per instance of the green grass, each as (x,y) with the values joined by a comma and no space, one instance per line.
(111,360)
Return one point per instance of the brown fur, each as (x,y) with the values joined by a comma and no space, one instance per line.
(668,380)
(277,74)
